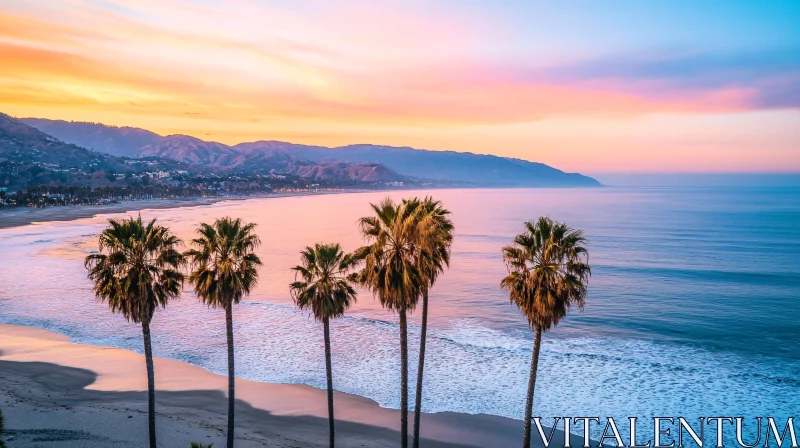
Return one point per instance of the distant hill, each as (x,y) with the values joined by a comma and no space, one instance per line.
(450,167)
(136,142)
(212,154)
(339,171)
(21,143)
(192,150)
(31,157)
(459,167)
(124,141)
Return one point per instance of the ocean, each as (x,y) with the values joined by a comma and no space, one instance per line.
(693,306)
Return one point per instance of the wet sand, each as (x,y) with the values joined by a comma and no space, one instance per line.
(57,393)
(20,216)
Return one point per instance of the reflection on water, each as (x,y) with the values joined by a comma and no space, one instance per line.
(691,310)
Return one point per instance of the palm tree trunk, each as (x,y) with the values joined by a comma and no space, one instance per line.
(151,383)
(537,343)
(420,368)
(403,379)
(231,373)
(329,373)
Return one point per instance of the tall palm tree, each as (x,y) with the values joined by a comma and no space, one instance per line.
(391,272)
(548,272)
(434,238)
(225,269)
(321,285)
(137,270)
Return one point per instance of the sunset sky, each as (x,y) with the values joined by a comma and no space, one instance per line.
(593,86)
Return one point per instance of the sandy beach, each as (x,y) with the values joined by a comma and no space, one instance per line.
(21,216)
(57,393)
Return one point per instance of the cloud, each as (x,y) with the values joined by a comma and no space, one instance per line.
(771,76)
(350,63)
(398,73)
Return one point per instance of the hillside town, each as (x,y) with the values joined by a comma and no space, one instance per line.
(104,187)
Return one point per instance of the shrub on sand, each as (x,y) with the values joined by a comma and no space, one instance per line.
(2,444)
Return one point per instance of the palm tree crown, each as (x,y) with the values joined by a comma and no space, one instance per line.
(548,271)
(390,267)
(138,268)
(321,282)
(225,268)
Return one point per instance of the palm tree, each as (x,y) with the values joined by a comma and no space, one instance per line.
(391,272)
(225,269)
(548,272)
(434,238)
(137,270)
(321,285)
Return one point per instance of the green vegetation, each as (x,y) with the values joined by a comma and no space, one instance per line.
(548,273)
(138,270)
(225,269)
(201,445)
(322,286)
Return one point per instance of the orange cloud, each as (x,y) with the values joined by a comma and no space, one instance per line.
(134,62)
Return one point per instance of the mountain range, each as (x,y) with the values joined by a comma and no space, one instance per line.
(31,157)
(361,162)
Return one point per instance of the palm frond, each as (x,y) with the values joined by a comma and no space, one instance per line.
(549,271)
(323,281)
(408,247)
(138,268)
(224,266)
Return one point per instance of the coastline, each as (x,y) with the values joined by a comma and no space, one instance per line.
(49,381)
(21,216)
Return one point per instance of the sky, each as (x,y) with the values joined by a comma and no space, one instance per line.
(601,86)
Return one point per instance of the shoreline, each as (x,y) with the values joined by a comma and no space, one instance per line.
(87,375)
(22,216)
